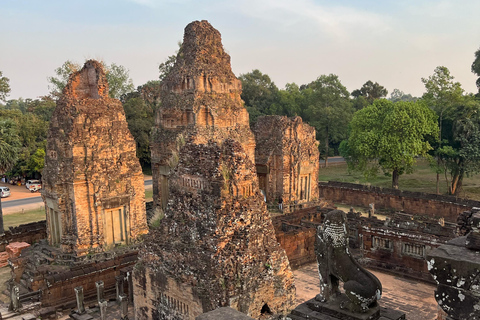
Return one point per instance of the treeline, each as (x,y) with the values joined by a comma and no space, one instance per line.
(373,133)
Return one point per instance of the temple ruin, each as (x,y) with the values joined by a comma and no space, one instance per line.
(287,160)
(93,183)
(216,244)
(200,102)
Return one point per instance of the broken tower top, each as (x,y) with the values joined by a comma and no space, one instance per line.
(201,55)
(89,82)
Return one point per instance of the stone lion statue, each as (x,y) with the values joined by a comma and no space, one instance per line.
(336,264)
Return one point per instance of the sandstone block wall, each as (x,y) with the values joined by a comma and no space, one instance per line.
(29,233)
(417,203)
(287,159)
(93,184)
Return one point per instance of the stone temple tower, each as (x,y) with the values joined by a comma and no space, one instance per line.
(216,244)
(200,101)
(93,184)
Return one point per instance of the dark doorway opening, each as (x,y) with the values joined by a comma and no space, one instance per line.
(265,309)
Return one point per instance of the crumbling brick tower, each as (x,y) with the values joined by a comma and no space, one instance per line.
(93,184)
(200,101)
(216,245)
(287,160)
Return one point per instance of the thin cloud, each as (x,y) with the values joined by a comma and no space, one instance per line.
(335,21)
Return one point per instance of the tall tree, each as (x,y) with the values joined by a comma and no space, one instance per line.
(390,136)
(8,153)
(4,87)
(460,153)
(259,93)
(62,73)
(165,67)
(476,68)
(398,95)
(329,110)
(371,91)
(442,95)
(119,81)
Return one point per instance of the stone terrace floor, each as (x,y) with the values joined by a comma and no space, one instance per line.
(414,298)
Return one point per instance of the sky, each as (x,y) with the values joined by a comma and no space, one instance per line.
(394,43)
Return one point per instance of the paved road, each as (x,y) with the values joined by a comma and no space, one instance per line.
(37,200)
(333,160)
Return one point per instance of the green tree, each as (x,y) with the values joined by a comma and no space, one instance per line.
(62,73)
(30,132)
(165,67)
(371,91)
(119,81)
(389,136)
(140,119)
(398,95)
(442,95)
(329,110)
(475,68)
(259,93)
(36,162)
(4,87)
(8,153)
(460,154)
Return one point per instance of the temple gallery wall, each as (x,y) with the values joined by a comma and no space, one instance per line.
(213,250)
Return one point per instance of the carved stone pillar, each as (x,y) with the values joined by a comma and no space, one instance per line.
(118,287)
(100,290)
(124,306)
(79,295)
(103,309)
(15,304)
(130,287)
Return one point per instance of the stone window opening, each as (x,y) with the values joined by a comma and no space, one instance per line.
(411,249)
(116,226)
(265,310)
(382,243)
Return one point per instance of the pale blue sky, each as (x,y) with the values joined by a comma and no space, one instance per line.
(394,43)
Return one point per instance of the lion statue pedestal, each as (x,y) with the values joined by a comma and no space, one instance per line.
(336,266)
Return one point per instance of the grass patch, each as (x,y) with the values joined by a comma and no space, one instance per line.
(423,179)
(15,219)
(149,195)
(18,218)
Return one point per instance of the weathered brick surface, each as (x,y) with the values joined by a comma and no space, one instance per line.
(287,159)
(200,103)
(216,245)
(90,165)
(14,249)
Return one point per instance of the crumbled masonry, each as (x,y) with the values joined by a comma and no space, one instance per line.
(93,182)
(216,244)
